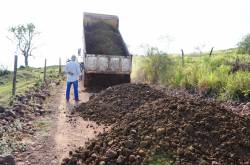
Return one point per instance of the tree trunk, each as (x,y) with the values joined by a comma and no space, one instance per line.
(26,61)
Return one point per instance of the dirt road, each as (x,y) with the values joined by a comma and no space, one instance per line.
(58,132)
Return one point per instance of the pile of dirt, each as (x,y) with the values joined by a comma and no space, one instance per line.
(28,105)
(110,105)
(186,130)
(102,38)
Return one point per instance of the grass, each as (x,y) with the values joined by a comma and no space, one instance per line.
(162,159)
(26,78)
(209,76)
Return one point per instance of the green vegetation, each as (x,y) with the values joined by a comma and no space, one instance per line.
(9,142)
(220,75)
(26,78)
(244,45)
(162,159)
(3,71)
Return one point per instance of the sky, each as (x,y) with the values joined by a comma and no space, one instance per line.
(170,25)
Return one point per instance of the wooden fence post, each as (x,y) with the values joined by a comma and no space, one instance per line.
(45,70)
(211,51)
(182,57)
(60,67)
(14,77)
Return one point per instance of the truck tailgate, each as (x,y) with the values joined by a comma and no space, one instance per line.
(108,64)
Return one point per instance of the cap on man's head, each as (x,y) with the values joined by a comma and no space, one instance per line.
(73,57)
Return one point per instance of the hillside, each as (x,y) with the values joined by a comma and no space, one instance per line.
(26,78)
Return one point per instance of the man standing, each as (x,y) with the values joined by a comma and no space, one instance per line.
(72,69)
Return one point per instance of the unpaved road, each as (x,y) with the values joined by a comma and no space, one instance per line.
(59,131)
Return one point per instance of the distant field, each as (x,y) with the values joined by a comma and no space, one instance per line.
(26,78)
(218,76)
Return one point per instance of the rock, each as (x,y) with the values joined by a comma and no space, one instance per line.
(245,109)
(39,106)
(41,111)
(188,128)
(141,153)
(160,131)
(131,158)
(120,159)
(215,163)
(2,115)
(130,144)
(110,142)
(147,138)
(94,155)
(204,162)
(2,109)
(7,160)
(10,113)
(40,95)
(111,153)
(133,131)
(144,143)
(102,163)
(138,158)
(21,98)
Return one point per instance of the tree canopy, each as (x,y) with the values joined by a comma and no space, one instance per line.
(23,36)
(244,45)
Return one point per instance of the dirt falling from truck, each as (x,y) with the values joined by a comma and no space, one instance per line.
(181,128)
(102,38)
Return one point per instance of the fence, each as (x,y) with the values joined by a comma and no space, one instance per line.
(14,81)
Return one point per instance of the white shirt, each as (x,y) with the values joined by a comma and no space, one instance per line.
(74,68)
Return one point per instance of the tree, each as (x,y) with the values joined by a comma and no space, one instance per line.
(23,36)
(200,48)
(244,45)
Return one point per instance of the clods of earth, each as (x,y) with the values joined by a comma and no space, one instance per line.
(28,105)
(146,122)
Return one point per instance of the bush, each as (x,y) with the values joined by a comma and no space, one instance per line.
(154,66)
(4,71)
(244,45)
(208,76)
(238,86)
(22,67)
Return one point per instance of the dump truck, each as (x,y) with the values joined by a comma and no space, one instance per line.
(106,58)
